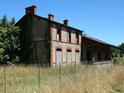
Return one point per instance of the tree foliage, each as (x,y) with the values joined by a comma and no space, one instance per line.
(9,41)
(118,52)
(114,52)
(122,48)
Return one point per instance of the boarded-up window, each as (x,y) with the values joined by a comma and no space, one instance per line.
(77,56)
(59,56)
(68,56)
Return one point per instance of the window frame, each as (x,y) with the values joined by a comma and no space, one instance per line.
(69,36)
(60,33)
(77,38)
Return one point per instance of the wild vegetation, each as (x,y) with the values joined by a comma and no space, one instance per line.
(24,79)
(118,52)
(71,79)
(9,41)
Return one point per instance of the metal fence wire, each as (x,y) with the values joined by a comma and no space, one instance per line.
(36,78)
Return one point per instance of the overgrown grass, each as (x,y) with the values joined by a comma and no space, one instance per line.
(24,79)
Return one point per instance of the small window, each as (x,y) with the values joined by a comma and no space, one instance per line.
(59,35)
(77,50)
(69,37)
(59,49)
(77,38)
(68,50)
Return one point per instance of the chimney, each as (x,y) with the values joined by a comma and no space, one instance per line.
(51,17)
(66,22)
(31,9)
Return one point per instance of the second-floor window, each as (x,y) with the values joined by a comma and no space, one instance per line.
(77,38)
(69,36)
(59,35)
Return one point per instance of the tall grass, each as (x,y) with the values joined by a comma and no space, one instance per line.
(24,79)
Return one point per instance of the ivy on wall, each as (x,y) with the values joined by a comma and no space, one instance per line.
(26,38)
(29,48)
(47,41)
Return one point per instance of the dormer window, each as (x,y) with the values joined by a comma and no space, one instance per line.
(69,36)
(77,38)
(59,35)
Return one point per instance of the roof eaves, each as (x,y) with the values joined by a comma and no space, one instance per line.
(56,22)
(99,41)
(20,20)
(50,21)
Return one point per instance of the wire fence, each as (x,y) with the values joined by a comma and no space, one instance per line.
(33,78)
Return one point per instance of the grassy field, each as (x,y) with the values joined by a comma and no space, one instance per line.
(24,79)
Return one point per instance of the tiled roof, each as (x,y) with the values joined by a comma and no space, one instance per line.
(98,41)
(50,21)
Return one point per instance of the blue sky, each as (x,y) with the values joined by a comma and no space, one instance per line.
(102,19)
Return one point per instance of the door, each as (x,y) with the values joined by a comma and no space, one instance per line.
(106,56)
(89,57)
(77,56)
(59,56)
(68,56)
(99,56)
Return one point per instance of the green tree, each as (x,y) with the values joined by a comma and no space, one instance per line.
(115,52)
(122,48)
(9,41)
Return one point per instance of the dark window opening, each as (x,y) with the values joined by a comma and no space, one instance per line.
(68,50)
(59,49)
(99,56)
(89,57)
(77,50)
(106,56)
(59,34)
(69,37)
(77,38)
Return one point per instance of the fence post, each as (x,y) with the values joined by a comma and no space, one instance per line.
(86,67)
(101,65)
(91,67)
(60,74)
(39,75)
(94,69)
(112,63)
(75,72)
(4,78)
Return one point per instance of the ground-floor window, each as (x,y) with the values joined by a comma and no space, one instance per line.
(69,56)
(58,56)
(77,56)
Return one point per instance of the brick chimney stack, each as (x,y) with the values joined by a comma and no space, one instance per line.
(51,17)
(66,22)
(31,9)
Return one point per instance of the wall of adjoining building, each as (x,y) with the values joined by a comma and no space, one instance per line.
(95,48)
(103,50)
